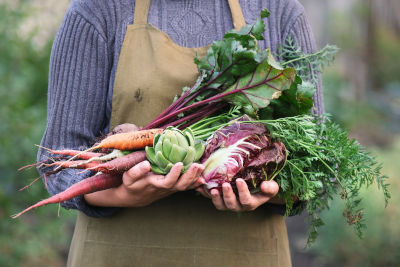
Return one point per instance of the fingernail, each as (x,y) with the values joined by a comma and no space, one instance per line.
(145,164)
(225,186)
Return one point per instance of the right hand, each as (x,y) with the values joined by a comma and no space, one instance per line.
(141,187)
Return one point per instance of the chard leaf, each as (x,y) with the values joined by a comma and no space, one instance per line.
(298,100)
(237,54)
(225,61)
(255,90)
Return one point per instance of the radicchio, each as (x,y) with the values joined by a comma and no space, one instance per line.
(242,150)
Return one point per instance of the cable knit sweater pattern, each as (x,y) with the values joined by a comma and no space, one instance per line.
(85,55)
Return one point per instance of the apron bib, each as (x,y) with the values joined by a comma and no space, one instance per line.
(183,229)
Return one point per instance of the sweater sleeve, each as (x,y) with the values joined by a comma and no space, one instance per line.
(77,96)
(302,35)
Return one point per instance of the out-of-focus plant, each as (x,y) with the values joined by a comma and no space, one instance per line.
(29,241)
(337,246)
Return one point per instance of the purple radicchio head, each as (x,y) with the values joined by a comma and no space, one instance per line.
(242,150)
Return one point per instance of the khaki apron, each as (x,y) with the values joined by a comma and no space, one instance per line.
(183,229)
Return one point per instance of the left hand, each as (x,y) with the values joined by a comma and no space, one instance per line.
(246,201)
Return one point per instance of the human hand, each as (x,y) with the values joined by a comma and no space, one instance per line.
(124,128)
(246,201)
(141,187)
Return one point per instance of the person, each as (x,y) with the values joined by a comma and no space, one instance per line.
(122,61)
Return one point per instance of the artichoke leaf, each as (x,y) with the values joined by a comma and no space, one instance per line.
(166,147)
(157,170)
(182,142)
(199,147)
(158,146)
(156,138)
(177,154)
(190,155)
(189,136)
(150,154)
(161,160)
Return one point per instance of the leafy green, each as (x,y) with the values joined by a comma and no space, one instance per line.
(234,70)
(321,163)
(297,100)
(257,89)
(307,66)
(235,55)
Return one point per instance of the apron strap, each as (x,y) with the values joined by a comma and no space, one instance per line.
(141,11)
(237,14)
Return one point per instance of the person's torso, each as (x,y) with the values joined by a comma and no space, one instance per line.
(189,23)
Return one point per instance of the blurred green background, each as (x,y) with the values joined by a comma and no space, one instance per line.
(362,91)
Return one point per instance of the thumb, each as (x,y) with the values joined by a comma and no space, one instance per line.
(136,172)
(270,188)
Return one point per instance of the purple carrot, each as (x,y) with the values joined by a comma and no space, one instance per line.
(86,186)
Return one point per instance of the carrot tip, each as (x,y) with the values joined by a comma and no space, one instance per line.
(26,186)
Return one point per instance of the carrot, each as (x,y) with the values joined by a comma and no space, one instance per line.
(86,186)
(126,141)
(26,186)
(120,165)
(130,140)
(36,164)
(74,164)
(74,153)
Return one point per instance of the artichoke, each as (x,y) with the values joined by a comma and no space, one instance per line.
(173,146)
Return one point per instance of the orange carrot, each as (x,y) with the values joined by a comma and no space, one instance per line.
(86,186)
(130,140)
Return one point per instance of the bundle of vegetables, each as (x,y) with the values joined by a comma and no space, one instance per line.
(254,117)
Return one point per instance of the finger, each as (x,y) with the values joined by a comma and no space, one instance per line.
(217,200)
(136,172)
(269,188)
(124,128)
(197,184)
(168,181)
(189,177)
(203,192)
(230,199)
(245,198)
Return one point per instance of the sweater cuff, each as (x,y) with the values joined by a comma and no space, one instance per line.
(93,211)
(79,203)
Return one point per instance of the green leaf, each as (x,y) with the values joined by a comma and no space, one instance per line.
(151,154)
(255,90)
(298,100)
(237,54)
(177,154)
(258,29)
(264,13)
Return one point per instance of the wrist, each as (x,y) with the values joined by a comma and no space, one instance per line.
(104,198)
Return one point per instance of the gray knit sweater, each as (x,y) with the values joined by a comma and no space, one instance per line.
(85,55)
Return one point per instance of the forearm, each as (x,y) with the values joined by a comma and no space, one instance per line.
(77,95)
(105,198)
